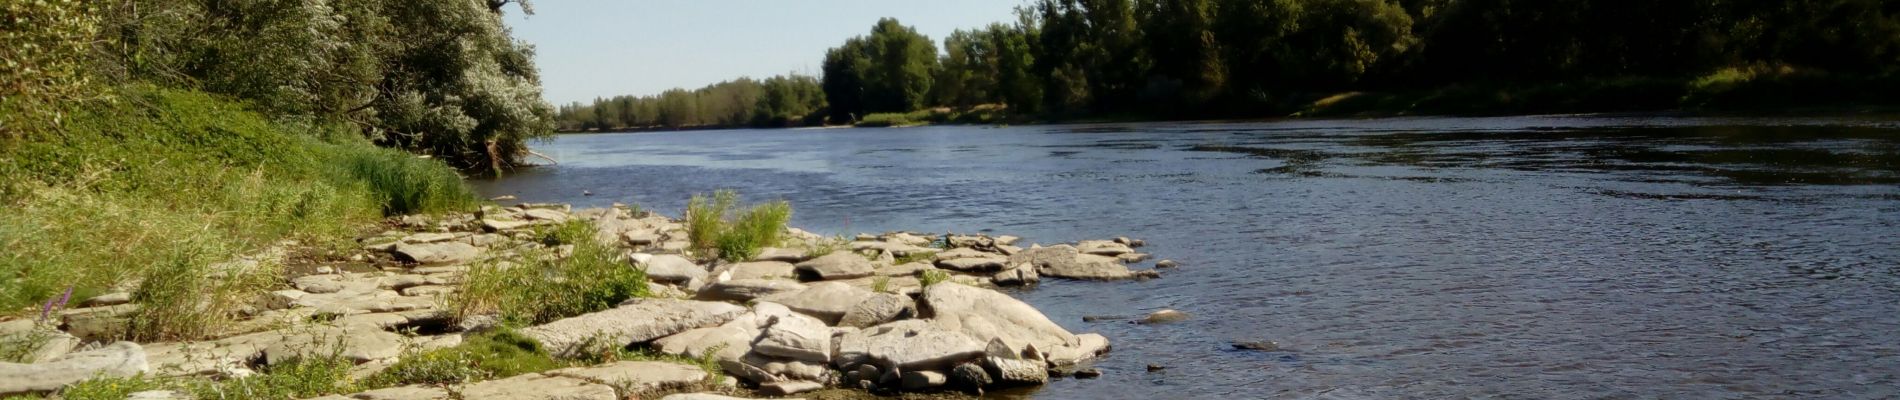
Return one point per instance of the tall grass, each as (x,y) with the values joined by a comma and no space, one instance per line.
(713,234)
(593,278)
(499,353)
(189,295)
(160,184)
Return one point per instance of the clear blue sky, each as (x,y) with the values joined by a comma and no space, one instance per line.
(602,48)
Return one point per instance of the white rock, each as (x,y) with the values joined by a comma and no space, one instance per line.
(637,376)
(120,359)
(796,337)
(748,289)
(828,301)
(669,268)
(636,321)
(908,345)
(838,265)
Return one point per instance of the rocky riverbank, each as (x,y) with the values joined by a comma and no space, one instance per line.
(896,312)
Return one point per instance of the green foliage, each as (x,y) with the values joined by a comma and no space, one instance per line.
(778,101)
(112,388)
(891,70)
(406,184)
(495,354)
(294,379)
(712,234)
(190,296)
(933,276)
(574,231)
(18,347)
(43,49)
(916,256)
(168,180)
(593,278)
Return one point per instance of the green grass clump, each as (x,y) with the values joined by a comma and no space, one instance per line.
(593,278)
(496,354)
(932,277)
(574,231)
(407,184)
(713,235)
(189,295)
(293,379)
(915,256)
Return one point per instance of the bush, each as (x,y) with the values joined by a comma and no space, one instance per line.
(406,184)
(713,235)
(595,277)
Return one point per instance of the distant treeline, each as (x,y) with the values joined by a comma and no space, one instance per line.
(1202,58)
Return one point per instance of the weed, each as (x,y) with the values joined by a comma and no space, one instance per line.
(706,218)
(574,231)
(187,296)
(826,246)
(499,353)
(112,388)
(294,379)
(407,184)
(916,256)
(19,347)
(932,277)
(713,235)
(881,284)
(594,278)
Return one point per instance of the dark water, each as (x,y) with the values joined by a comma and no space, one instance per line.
(1528,257)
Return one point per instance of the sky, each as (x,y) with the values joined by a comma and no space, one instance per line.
(603,48)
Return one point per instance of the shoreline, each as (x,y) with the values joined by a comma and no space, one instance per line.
(887,313)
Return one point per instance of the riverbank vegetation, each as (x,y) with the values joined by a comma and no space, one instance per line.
(155,140)
(1087,59)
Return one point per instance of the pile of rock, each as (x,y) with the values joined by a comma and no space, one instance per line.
(815,313)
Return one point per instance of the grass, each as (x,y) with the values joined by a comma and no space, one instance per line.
(494,354)
(19,347)
(574,231)
(916,256)
(826,246)
(932,277)
(713,235)
(293,379)
(189,295)
(160,184)
(593,278)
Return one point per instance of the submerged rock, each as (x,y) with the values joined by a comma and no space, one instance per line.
(1163,317)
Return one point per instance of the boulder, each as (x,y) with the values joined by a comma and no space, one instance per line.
(635,321)
(1019,275)
(1103,248)
(763,368)
(1011,371)
(970,375)
(781,255)
(783,388)
(1088,346)
(760,270)
(923,380)
(909,345)
(1167,264)
(638,376)
(748,289)
(1062,261)
(878,309)
(986,314)
(838,265)
(797,337)
(538,386)
(1163,317)
(355,343)
(436,253)
(670,268)
(121,359)
(828,301)
(972,264)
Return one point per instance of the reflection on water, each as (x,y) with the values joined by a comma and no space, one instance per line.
(1622,256)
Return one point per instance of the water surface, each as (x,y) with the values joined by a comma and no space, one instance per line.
(1522,257)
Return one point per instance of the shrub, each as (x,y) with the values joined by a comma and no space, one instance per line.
(593,278)
(713,235)
(407,184)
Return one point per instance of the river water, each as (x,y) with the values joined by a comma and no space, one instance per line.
(1520,257)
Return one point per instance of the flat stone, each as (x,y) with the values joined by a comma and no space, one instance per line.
(355,343)
(781,255)
(838,265)
(157,395)
(121,359)
(635,321)
(413,392)
(783,388)
(748,289)
(986,314)
(761,270)
(797,337)
(428,290)
(1102,248)
(709,396)
(1020,275)
(436,253)
(429,237)
(1132,257)
(638,376)
(1011,371)
(545,214)
(1163,317)
(906,269)
(1088,346)
(908,345)
(921,380)
(1063,261)
(828,301)
(537,387)
(108,299)
(670,268)
(878,309)
(987,263)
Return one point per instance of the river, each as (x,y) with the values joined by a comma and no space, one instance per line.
(1519,257)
